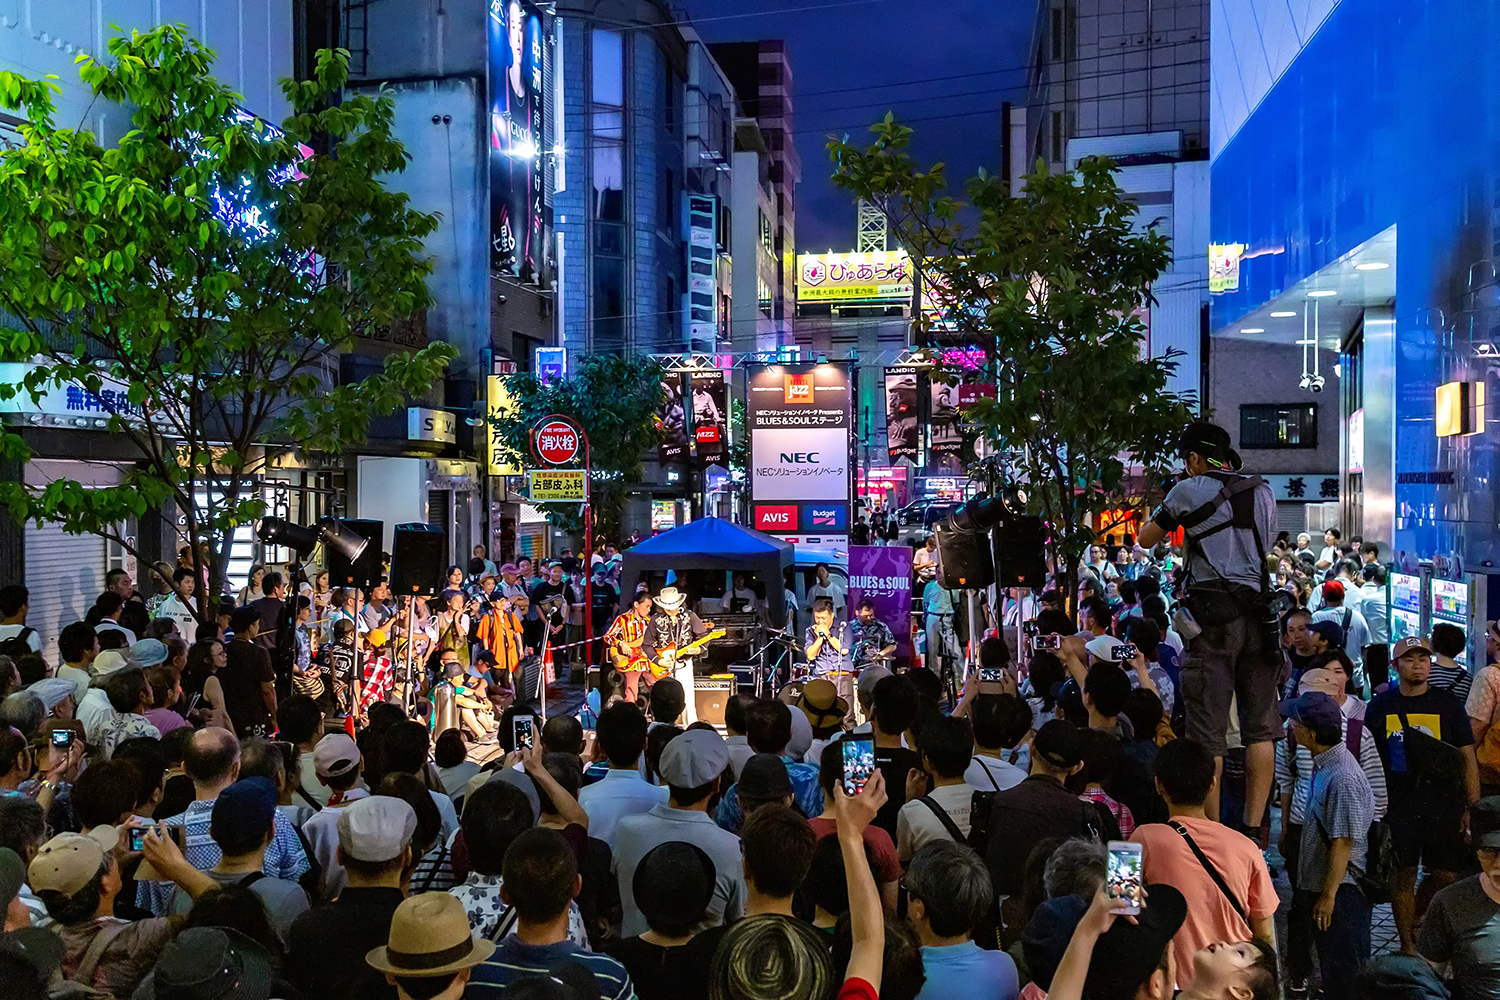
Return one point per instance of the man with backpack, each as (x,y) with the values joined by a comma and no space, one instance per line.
(16,638)
(1227,618)
(1427,744)
(947,747)
(1351,623)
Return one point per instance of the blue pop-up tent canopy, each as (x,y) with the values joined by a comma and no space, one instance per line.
(713,544)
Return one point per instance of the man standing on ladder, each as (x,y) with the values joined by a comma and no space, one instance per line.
(1232,632)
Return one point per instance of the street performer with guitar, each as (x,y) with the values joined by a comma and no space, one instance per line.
(624,642)
(672,637)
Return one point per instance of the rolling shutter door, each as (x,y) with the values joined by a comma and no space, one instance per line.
(64,574)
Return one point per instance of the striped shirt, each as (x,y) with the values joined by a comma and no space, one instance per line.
(1455,679)
(285,858)
(629,628)
(514,960)
(1294,764)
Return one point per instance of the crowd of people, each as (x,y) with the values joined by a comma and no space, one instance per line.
(177,821)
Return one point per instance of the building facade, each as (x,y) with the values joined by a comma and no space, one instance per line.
(761,74)
(1354,205)
(1128,79)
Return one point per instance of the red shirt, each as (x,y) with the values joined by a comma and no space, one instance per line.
(886,862)
(857,989)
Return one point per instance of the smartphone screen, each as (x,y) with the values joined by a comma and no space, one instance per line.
(138,838)
(859,762)
(62,737)
(1124,878)
(1124,651)
(1030,627)
(522,727)
(992,675)
(1049,642)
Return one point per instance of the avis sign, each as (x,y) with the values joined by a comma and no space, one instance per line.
(557,441)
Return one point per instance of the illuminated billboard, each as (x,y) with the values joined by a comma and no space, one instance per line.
(834,277)
(517,98)
(800,422)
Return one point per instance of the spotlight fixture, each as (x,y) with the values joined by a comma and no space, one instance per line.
(1283,314)
(1252,329)
(1373,265)
(333,533)
(1322,293)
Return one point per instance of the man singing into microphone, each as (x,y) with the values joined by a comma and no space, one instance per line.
(830,648)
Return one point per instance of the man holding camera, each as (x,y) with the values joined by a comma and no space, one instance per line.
(1232,631)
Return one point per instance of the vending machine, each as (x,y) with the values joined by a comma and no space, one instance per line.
(1406,604)
(1468,602)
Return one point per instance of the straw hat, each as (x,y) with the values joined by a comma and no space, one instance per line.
(430,936)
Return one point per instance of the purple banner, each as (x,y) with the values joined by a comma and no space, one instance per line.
(882,573)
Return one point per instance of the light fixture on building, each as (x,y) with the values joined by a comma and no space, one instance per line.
(1312,380)
(1322,293)
(1372,265)
(1283,314)
(1252,329)
(1459,409)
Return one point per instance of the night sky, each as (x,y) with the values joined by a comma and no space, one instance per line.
(845,54)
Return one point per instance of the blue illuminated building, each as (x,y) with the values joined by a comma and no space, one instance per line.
(1356,185)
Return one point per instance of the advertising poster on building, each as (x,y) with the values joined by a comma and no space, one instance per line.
(799,422)
(903,428)
(882,575)
(942,421)
(517,100)
(710,417)
(842,277)
(672,422)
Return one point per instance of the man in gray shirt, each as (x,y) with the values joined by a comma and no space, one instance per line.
(1462,926)
(1229,521)
(1335,834)
(690,766)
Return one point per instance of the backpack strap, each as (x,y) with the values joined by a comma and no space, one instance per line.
(433,871)
(1213,871)
(507,923)
(251,879)
(985,768)
(1353,733)
(94,953)
(944,818)
(308,798)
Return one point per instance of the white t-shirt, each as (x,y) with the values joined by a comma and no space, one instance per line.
(916,824)
(34,640)
(742,594)
(833,590)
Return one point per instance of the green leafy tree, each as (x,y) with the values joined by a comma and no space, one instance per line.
(201,279)
(1053,284)
(616,400)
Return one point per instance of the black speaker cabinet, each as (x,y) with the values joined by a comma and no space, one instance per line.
(363,572)
(418,559)
(711,694)
(964,560)
(1020,552)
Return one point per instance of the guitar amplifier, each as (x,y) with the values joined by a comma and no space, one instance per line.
(711,694)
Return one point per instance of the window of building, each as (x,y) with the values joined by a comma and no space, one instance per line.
(671,309)
(1279,425)
(765,230)
(609,67)
(763,295)
(669,99)
(775,139)
(1057,136)
(609,182)
(666,203)
(1057,33)
(609,303)
(770,73)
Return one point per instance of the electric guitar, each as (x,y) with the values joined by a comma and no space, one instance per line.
(665,666)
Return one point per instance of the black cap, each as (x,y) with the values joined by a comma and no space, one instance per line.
(1209,440)
(1484,822)
(1059,744)
(212,963)
(1127,954)
(763,777)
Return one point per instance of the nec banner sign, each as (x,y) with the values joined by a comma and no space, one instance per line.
(799,417)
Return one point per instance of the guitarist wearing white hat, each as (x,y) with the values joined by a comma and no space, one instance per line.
(669,643)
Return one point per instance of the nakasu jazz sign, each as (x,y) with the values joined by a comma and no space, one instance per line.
(799,419)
